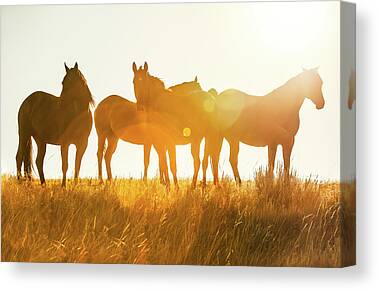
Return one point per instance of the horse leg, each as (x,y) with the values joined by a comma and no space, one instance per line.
(28,156)
(287,150)
(19,159)
(204,163)
(271,158)
(111,148)
(172,156)
(161,150)
(39,160)
(100,154)
(161,173)
(195,150)
(80,149)
(64,156)
(21,152)
(146,159)
(215,156)
(233,159)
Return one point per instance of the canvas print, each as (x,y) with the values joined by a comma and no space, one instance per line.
(188,133)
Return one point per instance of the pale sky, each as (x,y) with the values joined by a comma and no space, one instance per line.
(253,47)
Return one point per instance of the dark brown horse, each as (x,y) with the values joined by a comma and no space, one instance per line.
(191,116)
(269,120)
(55,120)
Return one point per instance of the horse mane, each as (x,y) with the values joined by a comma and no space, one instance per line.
(157,83)
(183,89)
(178,86)
(292,82)
(88,95)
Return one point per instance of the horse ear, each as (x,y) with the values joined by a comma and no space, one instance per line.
(196,79)
(76,66)
(134,67)
(67,68)
(145,67)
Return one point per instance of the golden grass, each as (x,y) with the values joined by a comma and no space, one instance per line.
(262,223)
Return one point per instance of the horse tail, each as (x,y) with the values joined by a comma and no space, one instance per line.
(24,151)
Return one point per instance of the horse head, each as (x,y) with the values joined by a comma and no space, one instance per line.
(140,85)
(312,87)
(147,88)
(75,88)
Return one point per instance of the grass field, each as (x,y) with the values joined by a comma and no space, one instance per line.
(262,223)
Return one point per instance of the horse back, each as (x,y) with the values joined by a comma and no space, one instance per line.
(255,120)
(109,109)
(43,117)
(35,108)
(193,110)
(43,100)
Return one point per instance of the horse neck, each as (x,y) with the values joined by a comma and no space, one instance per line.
(163,100)
(73,103)
(291,95)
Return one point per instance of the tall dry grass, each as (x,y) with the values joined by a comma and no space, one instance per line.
(262,223)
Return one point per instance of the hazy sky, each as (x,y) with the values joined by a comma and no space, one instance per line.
(253,47)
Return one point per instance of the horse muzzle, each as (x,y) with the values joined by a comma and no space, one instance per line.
(320,105)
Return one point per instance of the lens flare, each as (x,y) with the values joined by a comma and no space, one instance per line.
(186,132)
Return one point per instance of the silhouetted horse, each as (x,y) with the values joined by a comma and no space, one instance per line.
(181,90)
(55,120)
(118,118)
(190,115)
(352,89)
(270,120)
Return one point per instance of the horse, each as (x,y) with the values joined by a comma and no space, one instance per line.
(181,90)
(118,118)
(352,90)
(191,116)
(269,120)
(62,120)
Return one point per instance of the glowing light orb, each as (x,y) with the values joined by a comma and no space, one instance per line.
(186,132)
